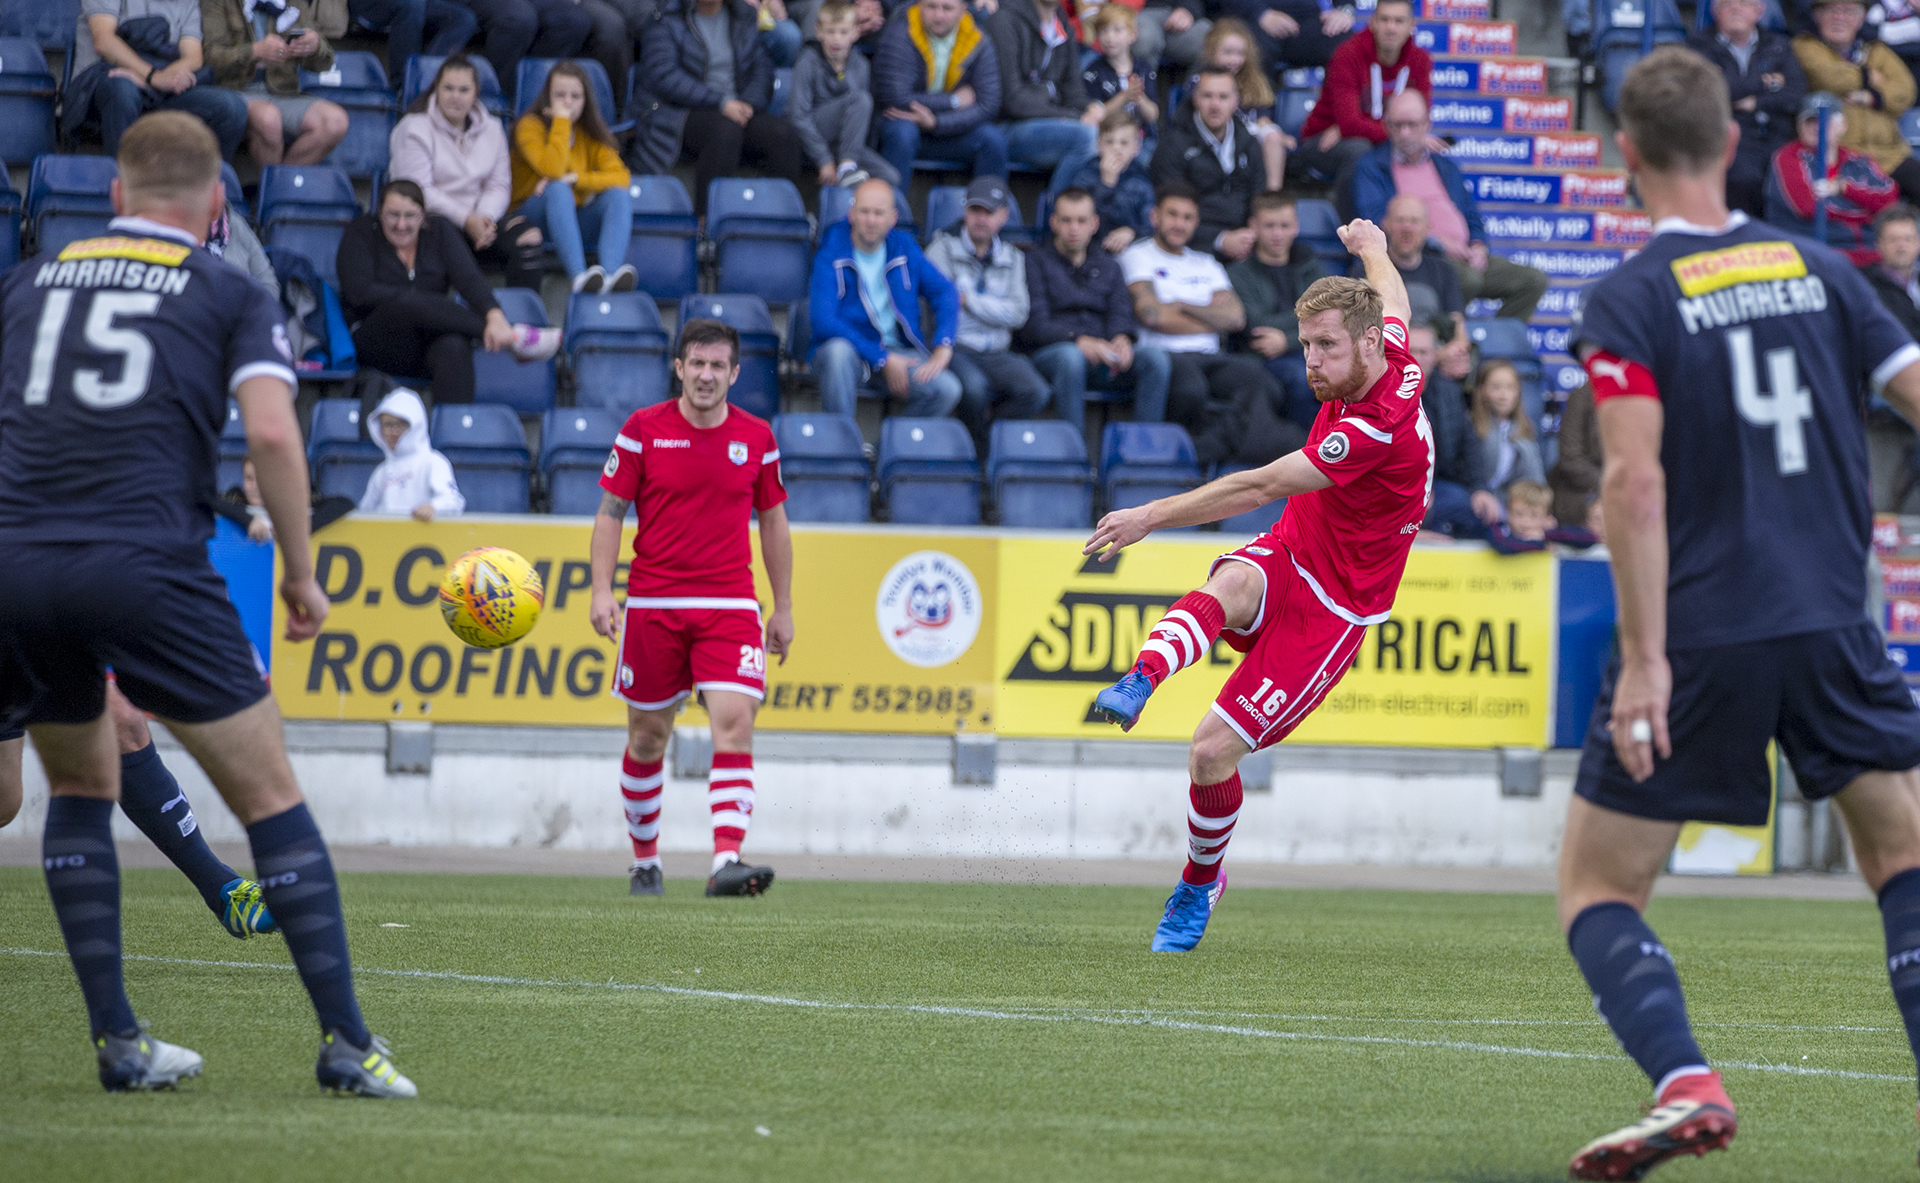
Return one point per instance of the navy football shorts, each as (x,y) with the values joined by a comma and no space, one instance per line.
(1836,703)
(161,619)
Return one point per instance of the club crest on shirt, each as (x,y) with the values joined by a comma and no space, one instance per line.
(737,452)
(613,463)
(1333,449)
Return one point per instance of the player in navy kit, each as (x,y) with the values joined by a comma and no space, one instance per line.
(116,361)
(1729,364)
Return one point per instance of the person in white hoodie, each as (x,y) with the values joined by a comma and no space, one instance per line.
(414,478)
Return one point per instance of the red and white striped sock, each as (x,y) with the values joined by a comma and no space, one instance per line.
(640,786)
(1183,636)
(730,798)
(1211,812)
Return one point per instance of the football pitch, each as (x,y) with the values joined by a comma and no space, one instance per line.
(853,1031)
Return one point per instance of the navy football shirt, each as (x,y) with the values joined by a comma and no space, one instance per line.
(1761,346)
(116,360)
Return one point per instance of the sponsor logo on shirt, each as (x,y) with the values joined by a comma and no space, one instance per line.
(1750,262)
(1256,550)
(1333,449)
(737,452)
(147,250)
(673,443)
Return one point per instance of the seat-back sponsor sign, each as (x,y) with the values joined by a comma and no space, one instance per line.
(1546,150)
(1548,338)
(1478,37)
(1454,113)
(1561,300)
(1503,76)
(1438,10)
(1589,188)
(1565,263)
(1625,228)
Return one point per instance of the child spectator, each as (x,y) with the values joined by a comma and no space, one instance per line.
(832,102)
(243,506)
(1509,452)
(1115,79)
(413,479)
(1230,46)
(568,181)
(1122,192)
(1530,511)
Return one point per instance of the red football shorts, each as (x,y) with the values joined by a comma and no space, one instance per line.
(671,647)
(1296,649)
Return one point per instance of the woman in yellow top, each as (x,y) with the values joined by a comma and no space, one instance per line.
(568,181)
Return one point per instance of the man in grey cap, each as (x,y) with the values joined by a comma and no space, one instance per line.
(991,275)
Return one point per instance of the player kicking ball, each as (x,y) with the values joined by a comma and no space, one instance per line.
(696,469)
(1729,363)
(1297,600)
(116,362)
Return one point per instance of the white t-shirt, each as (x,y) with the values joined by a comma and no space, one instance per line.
(1186,278)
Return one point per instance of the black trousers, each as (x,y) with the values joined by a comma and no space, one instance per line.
(717,144)
(1308,47)
(1907,176)
(417,333)
(1225,401)
(514,29)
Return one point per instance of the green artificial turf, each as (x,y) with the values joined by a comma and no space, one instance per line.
(565,1076)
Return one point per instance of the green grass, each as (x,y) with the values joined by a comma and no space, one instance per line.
(578,1081)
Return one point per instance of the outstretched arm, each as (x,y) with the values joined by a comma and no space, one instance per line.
(1234,493)
(1367,243)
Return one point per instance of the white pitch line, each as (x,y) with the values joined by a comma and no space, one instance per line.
(1105,1020)
(1293,1018)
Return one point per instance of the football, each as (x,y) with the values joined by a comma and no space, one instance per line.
(491,597)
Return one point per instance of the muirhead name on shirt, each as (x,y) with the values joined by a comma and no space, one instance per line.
(1751,301)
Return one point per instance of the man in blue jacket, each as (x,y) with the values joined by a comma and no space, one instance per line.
(868,281)
(1404,164)
(936,86)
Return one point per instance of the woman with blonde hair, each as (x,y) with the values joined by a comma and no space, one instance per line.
(1230,45)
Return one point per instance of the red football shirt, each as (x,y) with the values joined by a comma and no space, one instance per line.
(1352,538)
(693,489)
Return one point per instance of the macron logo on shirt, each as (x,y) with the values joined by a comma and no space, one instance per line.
(673,443)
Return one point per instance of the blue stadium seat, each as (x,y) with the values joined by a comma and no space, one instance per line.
(618,351)
(316,193)
(533,76)
(526,386)
(1291,108)
(422,67)
(837,200)
(318,241)
(1143,461)
(49,24)
(763,244)
(824,468)
(236,198)
(9,222)
(665,244)
(1319,229)
(1503,337)
(488,450)
(233,449)
(1910,126)
(1250,522)
(68,198)
(1624,31)
(946,204)
(574,444)
(928,472)
(758,387)
(1038,472)
(1307,78)
(358,84)
(782,90)
(26,101)
(338,450)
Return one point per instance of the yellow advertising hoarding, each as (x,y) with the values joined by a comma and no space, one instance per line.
(1464,661)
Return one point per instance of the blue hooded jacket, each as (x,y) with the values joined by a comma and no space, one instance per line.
(837,306)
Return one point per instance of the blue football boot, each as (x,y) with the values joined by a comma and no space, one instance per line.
(1188,910)
(1123,701)
(246,910)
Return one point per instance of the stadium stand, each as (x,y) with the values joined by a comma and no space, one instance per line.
(929,473)
(338,450)
(758,388)
(26,101)
(618,351)
(574,442)
(358,84)
(824,466)
(762,241)
(1253,521)
(525,386)
(1627,30)
(1143,461)
(946,204)
(422,67)
(233,448)
(306,208)
(1039,475)
(666,243)
(488,450)
(533,76)
(68,198)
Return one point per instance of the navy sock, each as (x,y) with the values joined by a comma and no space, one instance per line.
(83,877)
(1635,988)
(154,801)
(296,876)
(1900,914)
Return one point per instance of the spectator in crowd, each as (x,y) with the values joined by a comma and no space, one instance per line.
(1899,28)
(936,81)
(1050,120)
(515,29)
(1117,80)
(779,32)
(990,275)
(831,106)
(1080,327)
(1209,152)
(1268,281)
(568,181)
(413,479)
(1406,163)
(1231,45)
(117,82)
(1172,32)
(1530,511)
(245,508)
(1118,182)
(396,266)
(618,26)
(1896,232)
(440,28)
(1870,79)
(1508,450)
(1295,32)
(1369,68)
(1433,284)
(868,282)
(252,56)
(1184,302)
(712,83)
(1575,479)
(1766,83)
(1462,507)
(1850,183)
(450,146)
(230,238)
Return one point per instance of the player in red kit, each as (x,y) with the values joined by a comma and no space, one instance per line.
(695,469)
(1298,599)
